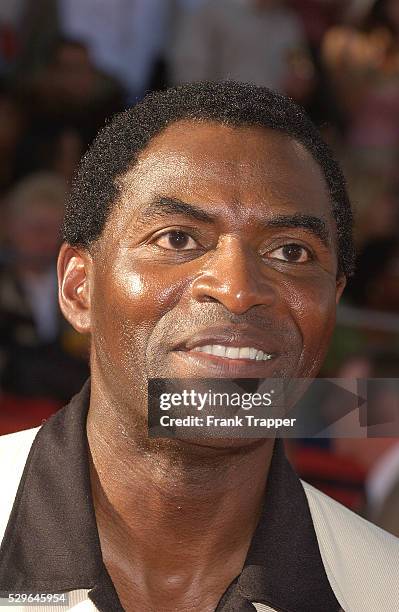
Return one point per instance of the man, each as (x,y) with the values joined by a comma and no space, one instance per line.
(209,217)
(124,38)
(37,345)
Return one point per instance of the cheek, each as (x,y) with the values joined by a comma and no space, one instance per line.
(312,306)
(132,302)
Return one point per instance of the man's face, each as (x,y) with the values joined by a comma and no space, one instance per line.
(221,237)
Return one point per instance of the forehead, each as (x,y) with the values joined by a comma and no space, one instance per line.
(246,169)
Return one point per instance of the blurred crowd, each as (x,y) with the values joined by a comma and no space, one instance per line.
(67,66)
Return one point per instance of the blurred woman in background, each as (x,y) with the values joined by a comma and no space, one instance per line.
(363,63)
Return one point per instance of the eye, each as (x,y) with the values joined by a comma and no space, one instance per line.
(294,253)
(176,240)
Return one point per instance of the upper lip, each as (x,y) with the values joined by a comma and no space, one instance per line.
(238,336)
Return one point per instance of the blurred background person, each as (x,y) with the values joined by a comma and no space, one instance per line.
(363,63)
(378,456)
(376,282)
(360,472)
(383,488)
(319,15)
(124,38)
(10,15)
(12,127)
(68,92)
(376,285)
(40,354)
(258,41)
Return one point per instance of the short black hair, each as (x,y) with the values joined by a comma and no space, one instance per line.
(117,146)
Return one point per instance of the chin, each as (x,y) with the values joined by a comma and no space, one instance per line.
(209,446)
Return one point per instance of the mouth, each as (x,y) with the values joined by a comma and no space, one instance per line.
(205,364)
(232,351)
(250,353)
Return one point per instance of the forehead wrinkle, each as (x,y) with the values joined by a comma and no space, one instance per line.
(184,164)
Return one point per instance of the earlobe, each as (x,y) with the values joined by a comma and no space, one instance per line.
(73,270)
(340,286)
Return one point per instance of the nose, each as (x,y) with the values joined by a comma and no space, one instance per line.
(235,277)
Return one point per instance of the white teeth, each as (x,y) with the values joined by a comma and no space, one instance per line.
(218,350)
(234,352)
(203,349)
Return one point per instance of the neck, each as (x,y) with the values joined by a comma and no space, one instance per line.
(182,514)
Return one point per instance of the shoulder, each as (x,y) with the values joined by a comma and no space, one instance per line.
(14,452)
(14,444)
(361,560)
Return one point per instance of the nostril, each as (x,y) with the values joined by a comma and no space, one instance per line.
(210,299)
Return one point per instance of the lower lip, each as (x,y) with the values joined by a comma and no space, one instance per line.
(215,366)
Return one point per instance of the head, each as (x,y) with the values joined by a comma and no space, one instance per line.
(35,208)
(384,13)
(72,70)
(209,214)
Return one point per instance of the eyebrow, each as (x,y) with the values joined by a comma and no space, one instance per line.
(310,223)
(163,206)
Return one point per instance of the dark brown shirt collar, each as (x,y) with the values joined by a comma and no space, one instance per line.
(51,543)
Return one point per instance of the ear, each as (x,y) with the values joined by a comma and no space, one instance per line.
(340,286)
(73,269)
